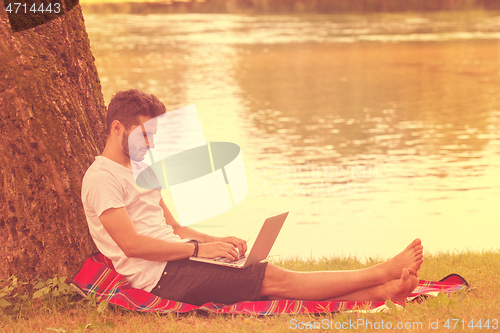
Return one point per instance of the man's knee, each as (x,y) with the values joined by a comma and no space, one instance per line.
(277,281)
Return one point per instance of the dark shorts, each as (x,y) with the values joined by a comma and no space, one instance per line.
(198,283)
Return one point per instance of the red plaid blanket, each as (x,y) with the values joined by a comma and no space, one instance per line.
(98,277)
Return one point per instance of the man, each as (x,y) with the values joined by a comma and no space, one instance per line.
(134,228)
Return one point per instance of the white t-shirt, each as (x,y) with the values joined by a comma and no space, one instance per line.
(107,184)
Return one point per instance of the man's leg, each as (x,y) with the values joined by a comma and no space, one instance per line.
(395,290)
(282,283)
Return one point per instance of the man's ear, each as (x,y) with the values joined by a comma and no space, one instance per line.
(116,127)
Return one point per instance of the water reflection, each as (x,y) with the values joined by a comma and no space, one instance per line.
(407,130)
(391,99)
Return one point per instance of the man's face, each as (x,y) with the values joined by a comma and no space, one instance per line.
(139,138)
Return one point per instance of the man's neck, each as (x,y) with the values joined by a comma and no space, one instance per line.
(116,155)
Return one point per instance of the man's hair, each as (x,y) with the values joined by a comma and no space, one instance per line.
(127,105)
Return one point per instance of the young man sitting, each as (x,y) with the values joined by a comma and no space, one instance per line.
(133,227)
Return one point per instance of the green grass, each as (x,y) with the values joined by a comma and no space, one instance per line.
(55,309)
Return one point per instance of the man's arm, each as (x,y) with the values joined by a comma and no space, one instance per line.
(186,232)
(119,226)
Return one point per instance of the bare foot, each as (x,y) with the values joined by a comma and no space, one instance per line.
(410,258)
(398,290)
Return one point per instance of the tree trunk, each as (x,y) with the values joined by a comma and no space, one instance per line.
(51,127)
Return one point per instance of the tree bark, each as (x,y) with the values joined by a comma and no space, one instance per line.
(51,127)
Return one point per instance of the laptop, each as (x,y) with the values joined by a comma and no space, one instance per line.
(260,249)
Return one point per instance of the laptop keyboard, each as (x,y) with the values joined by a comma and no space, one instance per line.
(235,262)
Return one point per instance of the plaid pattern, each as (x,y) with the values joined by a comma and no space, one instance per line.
(97,277)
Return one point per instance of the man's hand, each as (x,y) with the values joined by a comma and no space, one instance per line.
(218,249)
(239,243)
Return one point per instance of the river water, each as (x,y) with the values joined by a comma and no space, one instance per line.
(371,130)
